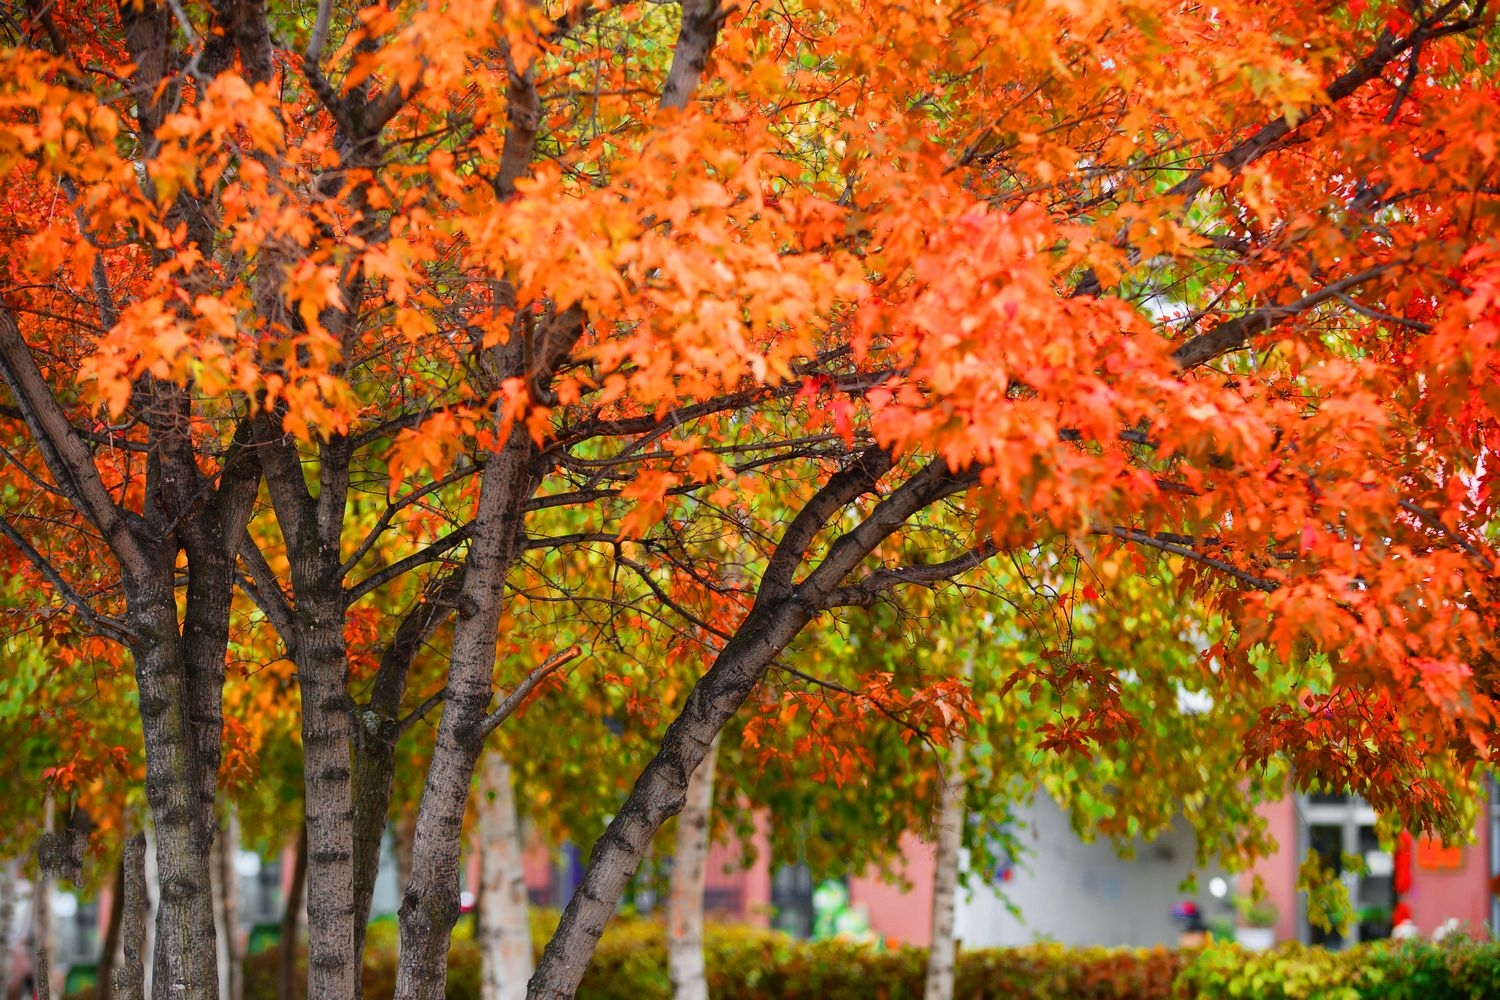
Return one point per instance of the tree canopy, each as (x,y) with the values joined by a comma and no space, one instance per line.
(404,344)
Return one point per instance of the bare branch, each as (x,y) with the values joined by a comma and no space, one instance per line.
(512,701)
(864,593)
(421,557)
(62,447)
(1235,333)
(1176,549)
(1436,524)
(420,712)
(110,628)
(394,508)
(261,586)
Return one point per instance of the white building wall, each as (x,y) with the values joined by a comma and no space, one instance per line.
(1081,893)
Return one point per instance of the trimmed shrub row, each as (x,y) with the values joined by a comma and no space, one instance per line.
(749,964)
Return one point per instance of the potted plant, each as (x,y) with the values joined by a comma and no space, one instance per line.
(1258,919)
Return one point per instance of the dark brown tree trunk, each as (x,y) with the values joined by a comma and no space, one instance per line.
(313,529)
(129,981)
(379,726)
(327,740)
(111,944)
(291,921)
(183,966)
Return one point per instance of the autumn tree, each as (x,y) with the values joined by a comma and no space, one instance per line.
(882,294)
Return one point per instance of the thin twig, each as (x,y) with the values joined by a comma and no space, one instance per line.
(518,694)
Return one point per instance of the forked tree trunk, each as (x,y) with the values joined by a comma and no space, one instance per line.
(129,981)
(504,919)
(950,834)
(685,961)
(291,922)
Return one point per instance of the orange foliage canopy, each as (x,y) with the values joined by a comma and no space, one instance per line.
(1219,282)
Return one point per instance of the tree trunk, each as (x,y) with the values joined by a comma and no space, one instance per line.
(226,904)
(685,962)
(153,905)
(109,950)
(380,725)
(183,963)
(783,607)
(403,833)
(291,921)
(7,920)
(41,908)
(129,982)
(430,903)
(327,739)
(660,793)
(504,918)
(950,837)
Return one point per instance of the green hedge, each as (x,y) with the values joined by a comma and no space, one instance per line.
(749,964)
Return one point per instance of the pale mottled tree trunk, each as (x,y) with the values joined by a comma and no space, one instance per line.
(153,899)
(129,981)
(504,920)
(7,919)
(41,913)
(685,960)
(226,908)
(950,833)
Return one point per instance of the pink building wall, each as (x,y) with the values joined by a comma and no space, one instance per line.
(900,915)
(1279,872)
(1461,893)
(1436,895)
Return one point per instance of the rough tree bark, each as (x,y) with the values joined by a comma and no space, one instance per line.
(504,917)
(179,662)
(129,981)
(313,527)
(950,835)
(685,962)
(291,921)
(380,725)
(430,903)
